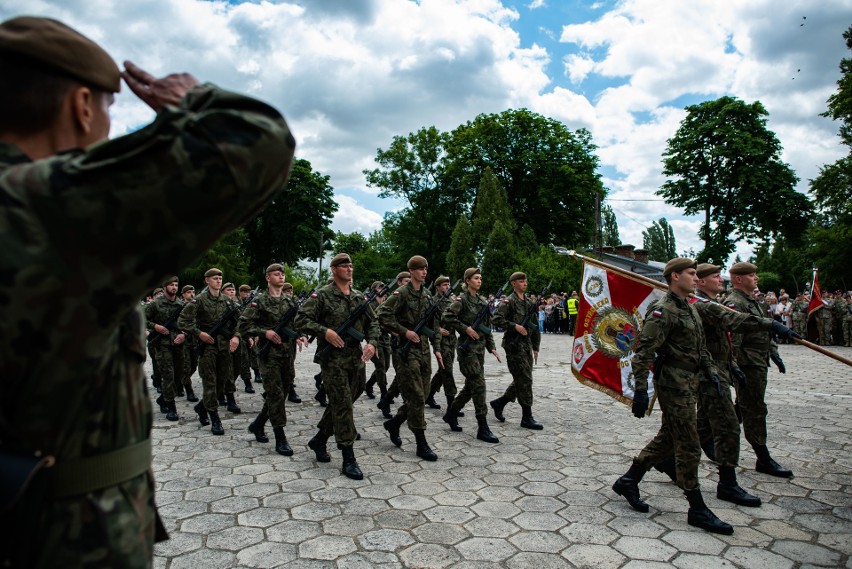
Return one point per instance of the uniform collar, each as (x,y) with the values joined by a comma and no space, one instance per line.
(11,155)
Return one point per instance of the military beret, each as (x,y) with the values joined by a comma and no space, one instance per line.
(287,286)
(341,259)
(186,288)
(517,276)
(470,272)
(169,281)
(441,280)
(403,275)
(227,286)
(276,267)
(157,291)
(55,45)
(678,264)
(214,272)
(417,262)
(377,285)
(742,268)
(245,288)
(706,269)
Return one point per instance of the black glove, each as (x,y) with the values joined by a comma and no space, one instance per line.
(712,377)
(779,362)
(740,376)
(640,403)
(784,332)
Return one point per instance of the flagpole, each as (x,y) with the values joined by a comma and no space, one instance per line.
(661,286)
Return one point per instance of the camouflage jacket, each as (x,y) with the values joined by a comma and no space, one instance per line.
(512,312)
(461,314)
(401,312)
(159,311)
(329,308)
(448,342)
(263,314)
(384,337)
(672,327)
(202,314)
(800,307)
(751,348)
(718,323)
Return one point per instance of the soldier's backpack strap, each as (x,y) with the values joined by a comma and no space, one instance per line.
(84,475)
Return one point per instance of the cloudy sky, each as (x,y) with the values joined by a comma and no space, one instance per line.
(351,74)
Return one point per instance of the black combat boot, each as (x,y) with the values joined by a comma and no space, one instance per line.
(164,407)
(216,423)
(190,394)
(384,406)
(368,388)
(293,397)
(222,401)
(700,515)
(767,465)
(232,404)
(321,397)
(281,444)
(257,377)
(709,448)
(317,444)
(730,491)
(430,401)
(484,433)
(528,421)
(172,413)
(498,405)
(392,427)
(451,417)
(628,486)
(350,465)
(202,413)
(179,390)
(668,467)
(383,390)
(249,387)
(423,450)
(256,427)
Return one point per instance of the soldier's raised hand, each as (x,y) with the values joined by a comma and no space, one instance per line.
(157,93)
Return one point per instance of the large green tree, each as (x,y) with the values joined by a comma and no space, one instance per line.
(229,256)
(659,241)
(723,162)
(609,227)
(462,254)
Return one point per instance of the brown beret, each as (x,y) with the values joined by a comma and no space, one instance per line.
(340,259)
(169,281)
(441,280)
(470,272)
(517,276)
(59,47)
(227,285)
(186,288)
(287,286)
(417,262)
(742,268)
(274,267)
(245,288)
(706,269)
(157,291)
(678,264)
(377,285)
(403,275)
(214,272)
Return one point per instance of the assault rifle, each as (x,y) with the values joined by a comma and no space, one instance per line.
(532,312)
(480,318)
(220,324)
(154,336)
(427,317)
(347,328)
(282,327)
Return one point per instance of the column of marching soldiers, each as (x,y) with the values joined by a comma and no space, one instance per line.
(404,324)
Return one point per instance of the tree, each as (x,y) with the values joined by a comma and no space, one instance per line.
(610,237)
(228,255)
(492,207)
(499,256)
(659,241)
(461,255)
(292,227)
(725,163)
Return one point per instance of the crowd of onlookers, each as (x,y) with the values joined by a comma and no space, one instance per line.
(557,313)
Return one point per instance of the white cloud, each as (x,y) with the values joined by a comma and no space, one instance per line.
(352,216)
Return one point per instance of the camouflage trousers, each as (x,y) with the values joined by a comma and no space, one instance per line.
(344,383)
(215,366)
(847,331)
(471,366)
(275,367)
(717,420)
(412,376)
(678,431)
(242,363)
(156,378)
(799,324)
(443,378)
(825,323)
(520,364)
(382,361)
(393,388)
(169,358)
(190,362)
(752,404)
(253,363)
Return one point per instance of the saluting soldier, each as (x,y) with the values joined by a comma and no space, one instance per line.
(673,334)
(460,317)
(166,340)
(382,359)
(443,377)
(343,359)
(398,315)
(521,344)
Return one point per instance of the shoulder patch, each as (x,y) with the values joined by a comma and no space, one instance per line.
(313,295)
(396,292)
(657,313)
(732,305)
(254,304)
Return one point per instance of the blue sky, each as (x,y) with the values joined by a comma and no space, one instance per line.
(351,74)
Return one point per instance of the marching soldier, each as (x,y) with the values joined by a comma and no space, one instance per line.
(166,341)
(382,359)
(190,355)
(393,390)
(459,317)
(343,359)
(292,396)
(398,315)
(156,378)
(753,351)
(242,359)
(230,386)
(443,377)
(521,344)
(674,336)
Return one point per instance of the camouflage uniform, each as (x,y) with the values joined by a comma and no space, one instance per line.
(341,368)
(169,357)
(847,324)
(398,314)
(826,318)
(838,312)
(444,376)
(519,349)
(800,316)
(82,235)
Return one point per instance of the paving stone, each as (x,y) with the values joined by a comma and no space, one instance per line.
(491,527)
(327,547)
(641,527)
(496,509)
(539,504)
(348,525)
(757,558)
(539,541)
(428,556)
(449,514)
(694,542)
(293,531)
(385,540)
(528,560)
(644,548)
(207,558)
(539,521)
(234,504)
(178,544)
(183,510)
(696,561)
(315,511)
(486,549)
(445,534)
(207,523)
(806,553)
(597,556)
(234,538)
(418,503)
(263,517)
(267,554)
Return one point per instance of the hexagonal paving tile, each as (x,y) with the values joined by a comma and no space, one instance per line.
(428,556)
(326,547)
(490,549)
(446,534)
